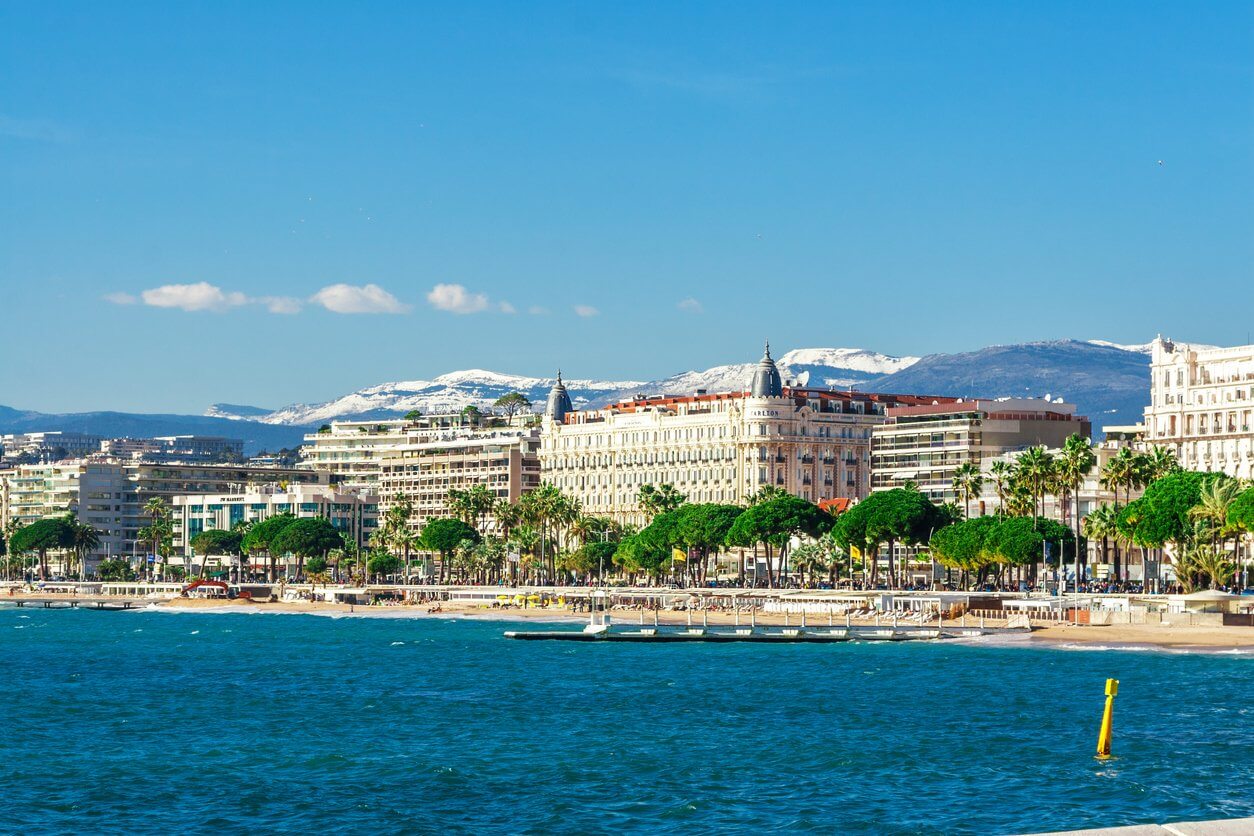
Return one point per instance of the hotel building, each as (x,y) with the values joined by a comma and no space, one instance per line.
(1202,406)
(926,443)
(813,443)
(425,459)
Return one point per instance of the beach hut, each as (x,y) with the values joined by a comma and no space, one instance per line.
(1206,600)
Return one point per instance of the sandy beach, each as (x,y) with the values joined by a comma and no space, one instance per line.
(1080,637)
(1122,636)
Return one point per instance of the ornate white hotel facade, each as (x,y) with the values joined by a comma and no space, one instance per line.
(813,443)
(1202,406)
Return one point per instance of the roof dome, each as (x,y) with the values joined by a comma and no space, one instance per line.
(766,380)
(559,401)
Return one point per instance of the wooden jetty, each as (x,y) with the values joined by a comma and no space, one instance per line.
(111,604)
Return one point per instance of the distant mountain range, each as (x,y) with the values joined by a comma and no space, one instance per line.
(1108,382)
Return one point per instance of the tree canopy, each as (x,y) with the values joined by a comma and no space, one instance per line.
(778,520)
(961,545)
(307,537)
(217,541)
(43,536)
(445,533)
(260,538)
(1162,514)
(1241,511)
(512,403)
(705,526)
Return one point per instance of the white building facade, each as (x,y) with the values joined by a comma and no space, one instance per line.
(722,448)
(1202,406)
(422,460)
(354,514)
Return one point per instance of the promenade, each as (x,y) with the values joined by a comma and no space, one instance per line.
(1098,621)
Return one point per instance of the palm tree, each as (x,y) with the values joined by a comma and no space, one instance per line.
(1074,463)
(542,508)
(1102,524)
(809,559)
(508,515)
(1214,501)
(159,512)
(1157,463)
(86,540)
(967,482)
(1124,471)
(659,499)
(1035,467)
(523,541)
(1002,474)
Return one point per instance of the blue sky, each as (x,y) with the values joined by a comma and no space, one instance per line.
(267,202)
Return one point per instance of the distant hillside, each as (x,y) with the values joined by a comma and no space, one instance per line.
(450,392)
(1110,385)
(256,436)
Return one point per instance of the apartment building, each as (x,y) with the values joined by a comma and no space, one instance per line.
(110,495)
(353,513)
(506,461)
(715,447)
(49,445)
(925,444)
(423,459)
(175,448)
(1202,405)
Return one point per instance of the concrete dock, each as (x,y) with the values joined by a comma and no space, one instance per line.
(1217,827)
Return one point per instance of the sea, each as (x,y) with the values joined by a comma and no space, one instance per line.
(195,722)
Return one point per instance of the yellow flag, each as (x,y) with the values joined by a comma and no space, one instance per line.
(856,552)
(679,554)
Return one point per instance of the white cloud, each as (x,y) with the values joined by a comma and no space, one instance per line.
(454,298)
(506,308)
(690,305)
(200,296)
(121,298)
(281,304)
(586,310)
(538,310)
(350,299)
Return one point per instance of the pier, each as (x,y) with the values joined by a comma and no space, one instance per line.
(79,603)
(797,635)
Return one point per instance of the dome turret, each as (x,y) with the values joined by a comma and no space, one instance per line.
(559,401)
(766,380)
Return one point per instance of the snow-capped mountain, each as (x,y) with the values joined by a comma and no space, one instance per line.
(1140,348)
(446,393)
(1109,382)
(837,367)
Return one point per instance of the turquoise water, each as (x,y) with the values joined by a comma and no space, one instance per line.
(164,721)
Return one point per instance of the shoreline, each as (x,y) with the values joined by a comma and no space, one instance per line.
(1233,640)
(1237,641)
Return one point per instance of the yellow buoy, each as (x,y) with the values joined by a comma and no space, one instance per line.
(1108,716)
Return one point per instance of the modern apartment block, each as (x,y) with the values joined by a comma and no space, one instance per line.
(723,447)
(1202,406)
(505,461)
(59,445)
(110,495)
(424,459)
(355,514)
(175,448)
(926,443)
